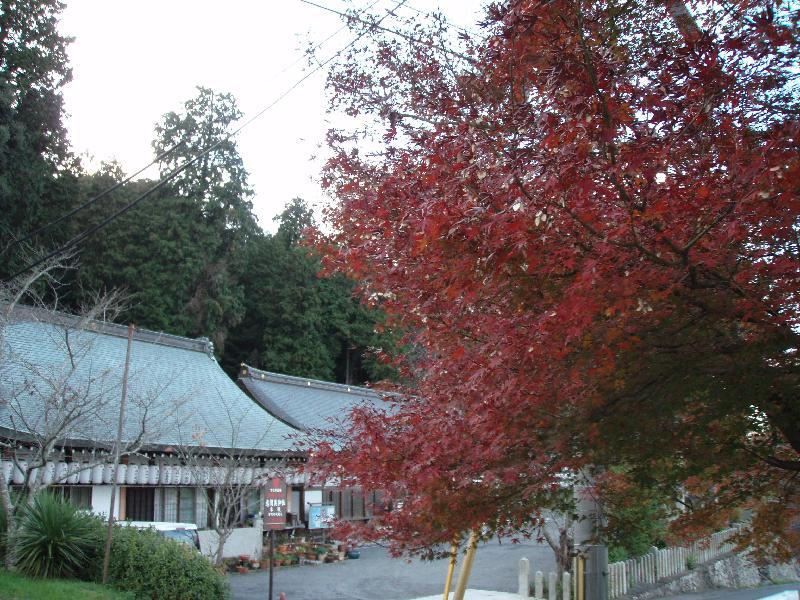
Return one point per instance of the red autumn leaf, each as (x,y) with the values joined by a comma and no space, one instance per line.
(618,278)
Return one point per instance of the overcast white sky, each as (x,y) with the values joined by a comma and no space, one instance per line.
(134,60)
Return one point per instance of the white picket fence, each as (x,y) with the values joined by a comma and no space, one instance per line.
(539,586)
(668,562)
(624,575)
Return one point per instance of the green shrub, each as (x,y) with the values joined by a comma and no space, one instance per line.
(636,514)
(691,562)
(151,566)
(54,539)
(617,554)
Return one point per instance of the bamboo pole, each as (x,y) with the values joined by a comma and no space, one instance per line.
(451,568)
(466,567)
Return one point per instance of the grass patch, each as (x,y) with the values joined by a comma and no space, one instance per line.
(18,587)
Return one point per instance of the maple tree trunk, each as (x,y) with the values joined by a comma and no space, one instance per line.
(564,555)
(784,414)
(562,546)
(8,507)
(684,20)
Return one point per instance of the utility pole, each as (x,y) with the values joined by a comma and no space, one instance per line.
(117,443)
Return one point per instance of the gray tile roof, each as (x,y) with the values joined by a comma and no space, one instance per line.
(176,388)
(305,403)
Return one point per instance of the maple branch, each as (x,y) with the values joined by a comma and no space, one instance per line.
(699,235)
(787,465)
(395,116)
(608,148)
(635,245)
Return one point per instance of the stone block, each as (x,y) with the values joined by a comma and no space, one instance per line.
(785,572)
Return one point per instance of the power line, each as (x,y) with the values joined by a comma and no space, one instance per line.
(330,37)
(93,200)
(439,17)
(302,79)
(396,32)
(87,233)
(88,203)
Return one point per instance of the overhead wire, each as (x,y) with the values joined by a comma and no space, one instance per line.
(89,202)
(396,32)
(439,17)
(36,232)
(175,172)
(407,6)
(330,37)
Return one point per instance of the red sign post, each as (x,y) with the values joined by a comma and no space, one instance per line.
(275,504)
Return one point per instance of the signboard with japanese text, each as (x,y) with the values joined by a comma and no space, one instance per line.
(275,504)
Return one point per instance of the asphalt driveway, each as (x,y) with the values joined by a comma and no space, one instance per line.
(376,576)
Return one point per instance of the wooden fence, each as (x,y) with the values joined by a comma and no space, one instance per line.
(623,576)
(667,562)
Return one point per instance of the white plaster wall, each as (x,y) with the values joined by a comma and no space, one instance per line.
(245,540)
(101,499)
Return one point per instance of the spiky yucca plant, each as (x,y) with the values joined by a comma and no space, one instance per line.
(55,539)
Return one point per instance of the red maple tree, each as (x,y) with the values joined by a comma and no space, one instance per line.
(588,221)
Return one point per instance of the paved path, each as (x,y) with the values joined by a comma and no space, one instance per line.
(376,576)
(478,595)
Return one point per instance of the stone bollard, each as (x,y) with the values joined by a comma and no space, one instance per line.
(538,585)
(524,578)
(552,584)
(566,587)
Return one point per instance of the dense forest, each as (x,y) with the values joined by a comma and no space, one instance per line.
(191,257)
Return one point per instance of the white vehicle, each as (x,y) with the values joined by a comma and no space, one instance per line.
(186,533)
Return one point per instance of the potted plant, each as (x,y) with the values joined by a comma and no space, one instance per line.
(242,563)
(230,564)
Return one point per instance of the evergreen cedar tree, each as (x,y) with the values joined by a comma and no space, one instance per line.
(191,259)
(37,169)
(590,224)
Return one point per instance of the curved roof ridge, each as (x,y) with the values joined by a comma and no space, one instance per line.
(306,382)
(184,396)
(57,317)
